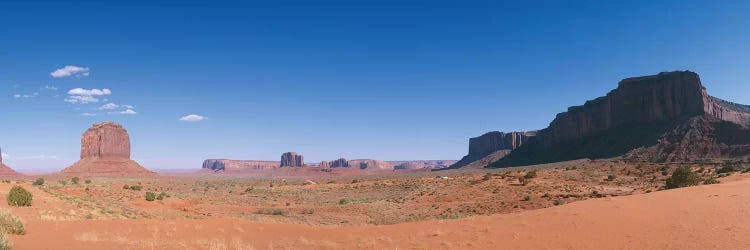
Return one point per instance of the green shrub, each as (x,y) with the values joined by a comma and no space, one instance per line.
(162,195)
(125,187)
(88,181)
(726,169)
(523,180)
(280,212)
(527,198)
(10,223)
(683,177)
(4,242)
(63,182)
(38,182)
(343,201)
(150,196)
(20,197)
(557,202)
(710,181)
(355,181)
(611,177)
(308,211)
(136,188)
(530,175)
(75,180)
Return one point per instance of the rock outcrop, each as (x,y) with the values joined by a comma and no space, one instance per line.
(640,113)
(6,171)
(369,164)
(238,165)
(340,163)
(425,164)
(105,151)
(324,164)
(491,142)
(292,159)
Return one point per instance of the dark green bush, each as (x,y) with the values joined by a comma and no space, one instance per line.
(38,182)
(75,180)
(20,197)
(726,169)
(611,177)
(150,196)
(683,177)
(88,181)
(162,195)
(530,175)
(125,187)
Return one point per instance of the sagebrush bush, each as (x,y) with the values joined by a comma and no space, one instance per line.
(4,242)
(125,187)
(683,176)
(75,180)
(38,182)
(10,223)
(19,197)
(150,196)
(530,175)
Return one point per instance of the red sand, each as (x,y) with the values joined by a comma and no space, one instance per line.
(704,217)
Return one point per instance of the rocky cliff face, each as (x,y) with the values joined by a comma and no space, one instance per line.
(105,150)
(292,159)
(340,163)
(238,165)
(489,143)
(324,164)
(105,140)
(639,113)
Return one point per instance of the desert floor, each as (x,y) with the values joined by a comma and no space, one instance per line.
(567,206)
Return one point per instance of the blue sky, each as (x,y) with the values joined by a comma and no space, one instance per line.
(391,80)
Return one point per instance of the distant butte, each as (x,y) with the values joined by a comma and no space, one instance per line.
(6,171)
(105,151)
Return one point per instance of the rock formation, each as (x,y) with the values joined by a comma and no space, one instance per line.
(491,142)
(324,164)
(370,164)
(238,165)
(6,171)
(292,159)
(105,150)
(340,163)
(653,112)
(425,164)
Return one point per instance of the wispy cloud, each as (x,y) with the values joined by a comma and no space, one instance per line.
(49,87)
(70,70)
(88,114)
(192,118)
(109,106)
(125,112)
(32,95)
(83,96)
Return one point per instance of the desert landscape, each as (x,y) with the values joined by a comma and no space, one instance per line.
(326,124)
(560,201)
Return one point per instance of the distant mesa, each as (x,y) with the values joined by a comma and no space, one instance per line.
(340,163)
(105,151)
(292,159)
(217,165)
(423,164)
(6,171)
(664,118)
(491,142)
(324,164)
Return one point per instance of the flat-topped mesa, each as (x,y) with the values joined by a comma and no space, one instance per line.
(238,165)
(491,142)
(292,159)
(641,112)
(656,98)
(105,151)
(324,164)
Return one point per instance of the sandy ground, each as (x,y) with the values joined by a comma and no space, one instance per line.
(703,217)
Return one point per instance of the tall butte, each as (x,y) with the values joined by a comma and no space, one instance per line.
(105,151)
(6,171)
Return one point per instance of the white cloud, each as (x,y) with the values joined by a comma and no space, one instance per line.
(88,114)
(127,112)
(192,118)
(109,106)
(49,87)
(32,95)
(83,96)
(70,70)
(89,92)
(82,99)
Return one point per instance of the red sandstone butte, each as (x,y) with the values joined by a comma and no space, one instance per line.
(105,151)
